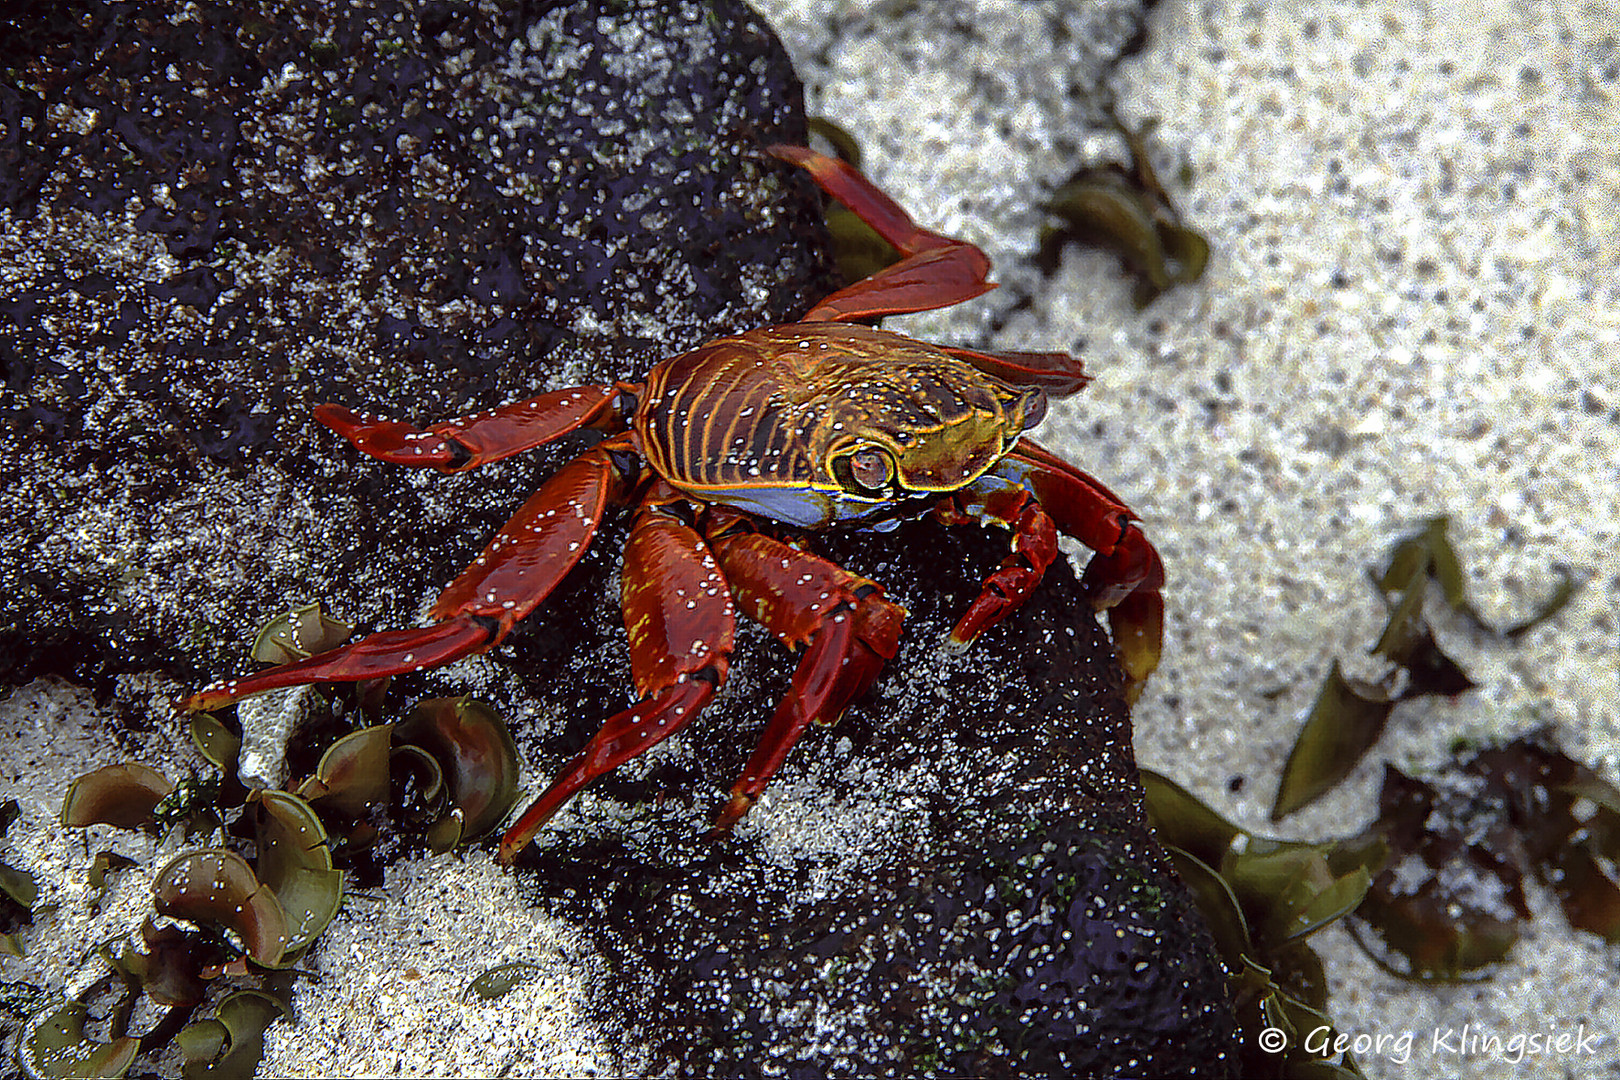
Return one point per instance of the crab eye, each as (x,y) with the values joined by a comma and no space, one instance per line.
(871,468)
(1034,407)
(867,470)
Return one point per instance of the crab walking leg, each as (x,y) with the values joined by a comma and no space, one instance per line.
(850,629)
(937,270)
(1137,617)
(515,573)
(1059,374)
(390,652)
(482,437)
(532,553)
(1125,577)
(681,621)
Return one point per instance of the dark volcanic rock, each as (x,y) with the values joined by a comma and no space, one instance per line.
(215,218)
(218,219)
(958,881)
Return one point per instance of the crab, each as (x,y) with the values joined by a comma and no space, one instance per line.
(726,457)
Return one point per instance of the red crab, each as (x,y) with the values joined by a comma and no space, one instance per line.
(811,425)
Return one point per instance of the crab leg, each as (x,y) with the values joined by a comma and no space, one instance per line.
(1124,577)
(1059,374)
(681,621)
(482,437)
(937,270)
(848,626)
(516,572)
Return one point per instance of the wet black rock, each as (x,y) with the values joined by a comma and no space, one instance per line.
(956,880)
(219,217)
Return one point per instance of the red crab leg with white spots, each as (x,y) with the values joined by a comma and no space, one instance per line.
(1124,578)
(681,622)
(515,573)
(1034,546)
(936,271)
(471,441)
(848,626)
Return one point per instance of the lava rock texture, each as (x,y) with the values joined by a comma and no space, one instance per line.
(215,216)
(961,884)
(219,217)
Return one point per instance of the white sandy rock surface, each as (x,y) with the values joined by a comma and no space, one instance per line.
(1411,310)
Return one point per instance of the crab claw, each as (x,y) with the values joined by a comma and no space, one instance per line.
(1128,584)
(836,669)
(1037,494)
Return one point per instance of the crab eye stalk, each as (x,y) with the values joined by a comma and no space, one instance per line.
(1033,407)
(867,471)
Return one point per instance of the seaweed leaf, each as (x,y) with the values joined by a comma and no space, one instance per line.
(54,1045)
(123,795)
(1430,552)
(475,751)
(500,980)
(299,634)
(295,863)
(230,1045)
(217,887)
(1181,819)
(352,776)
(1126,210)
(1342,726)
